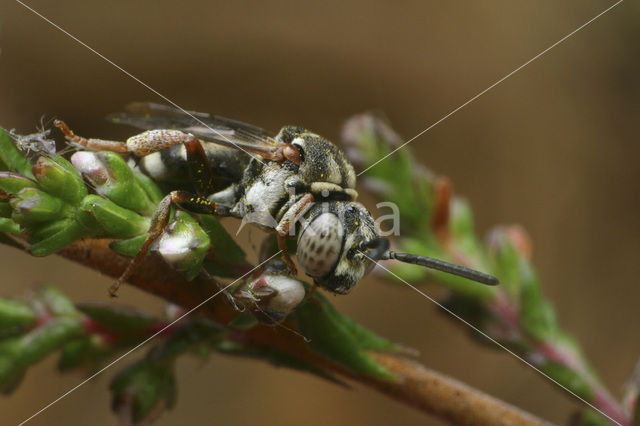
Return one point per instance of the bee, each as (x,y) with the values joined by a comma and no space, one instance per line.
(295,183)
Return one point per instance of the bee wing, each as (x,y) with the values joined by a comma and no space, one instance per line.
(212,128)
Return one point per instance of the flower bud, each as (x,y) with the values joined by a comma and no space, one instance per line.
(58,177)
(184,244)
(271,297)
(114,179)
(12,183)
(32,206)
(108,219)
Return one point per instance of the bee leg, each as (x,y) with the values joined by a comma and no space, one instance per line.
(282,245)
(190,202)
(285,227)
(198,164)
(152,141)
(199,167)
(95,144)
(312,290)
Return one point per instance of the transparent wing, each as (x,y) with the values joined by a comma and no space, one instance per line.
(212,128)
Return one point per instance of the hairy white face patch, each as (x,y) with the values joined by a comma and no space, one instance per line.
(319,245)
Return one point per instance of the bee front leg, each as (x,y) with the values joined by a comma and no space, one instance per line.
(285,227)
(190,202)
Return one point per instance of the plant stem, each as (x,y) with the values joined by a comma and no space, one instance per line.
(416,386)
(445,397)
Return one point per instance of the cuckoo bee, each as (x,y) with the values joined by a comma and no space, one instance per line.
(295,183)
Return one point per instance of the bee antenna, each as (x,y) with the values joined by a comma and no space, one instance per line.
(441,265)
(379,245)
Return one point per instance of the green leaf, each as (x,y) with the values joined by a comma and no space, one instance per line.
(413,273)
(332,336)
(224,246)
(244,321)
(79,352)
(537,316)
(273,356)
(569,379)
(120,319)
(10,158)
(149,186)
(11,369)
(5,209)
(507,261)
(42,231)
(15,315)
(365,338)
(58,241)
(588,417)
(45,339)
(187,338)
(461,228)
(143,387)
(12,183)
(9,226)
(129,247)
(58,303)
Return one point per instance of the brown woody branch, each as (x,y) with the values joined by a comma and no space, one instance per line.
(424,389)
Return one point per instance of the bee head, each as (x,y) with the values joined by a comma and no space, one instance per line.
(332,245)
(339,244)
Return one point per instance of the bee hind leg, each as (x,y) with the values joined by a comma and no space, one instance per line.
(151,141)
(159,222)
(95,144)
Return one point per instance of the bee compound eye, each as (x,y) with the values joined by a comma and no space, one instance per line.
(320,244)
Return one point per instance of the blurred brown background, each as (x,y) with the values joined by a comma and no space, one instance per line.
(554,148)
